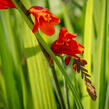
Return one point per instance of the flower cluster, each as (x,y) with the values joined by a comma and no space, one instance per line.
(78,65)
(65,44)
(44,20)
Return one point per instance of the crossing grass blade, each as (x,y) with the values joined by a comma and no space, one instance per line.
(3,98)
(100,19)
(107,97)
(8,73)
(38,74)
(55,7)
(88,45)
(67,21)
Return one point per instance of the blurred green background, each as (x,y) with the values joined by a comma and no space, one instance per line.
(26,80)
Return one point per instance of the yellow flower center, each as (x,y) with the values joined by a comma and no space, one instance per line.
(47,17)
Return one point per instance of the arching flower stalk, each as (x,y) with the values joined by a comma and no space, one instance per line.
(78,65)
(66,44)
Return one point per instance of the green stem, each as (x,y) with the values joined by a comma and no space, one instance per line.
(66,94)
(65,87)
(61,100)
(76,4)
(22,10)
(58,88)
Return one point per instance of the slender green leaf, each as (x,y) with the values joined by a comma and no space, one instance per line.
(88,45)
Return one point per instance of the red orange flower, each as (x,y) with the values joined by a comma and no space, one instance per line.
(44,20)
(66,45)
(5,4)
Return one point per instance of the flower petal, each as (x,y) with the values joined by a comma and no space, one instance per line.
(80,49)
(54,20)
(46,27)
(35,28)
(65,34)
(62,33)
(67,60)
(71,35)
(35,10)
(5,4)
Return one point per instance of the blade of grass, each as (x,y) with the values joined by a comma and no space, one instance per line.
(107,55)
(100,18)
(38,75)
(88,46)
(3,98)
(14,52)
(107,98)
(103,61)
(7,69)
(55,6)
(66,18)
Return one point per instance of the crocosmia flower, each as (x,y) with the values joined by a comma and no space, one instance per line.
(65,44)
(5,4)
(44,20)
(91,90)
(78,65)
